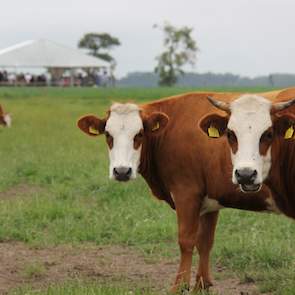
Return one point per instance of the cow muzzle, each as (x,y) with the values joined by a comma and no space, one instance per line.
(122,173)
(246,178)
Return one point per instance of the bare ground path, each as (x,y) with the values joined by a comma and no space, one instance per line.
(23,265)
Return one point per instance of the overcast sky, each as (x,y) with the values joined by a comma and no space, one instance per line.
(239,36)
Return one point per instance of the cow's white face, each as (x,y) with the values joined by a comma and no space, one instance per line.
(250,133)
(122,127)
(125,129)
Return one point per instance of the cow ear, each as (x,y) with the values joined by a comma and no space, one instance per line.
(91,125)
(155,123)
(284,125)
(213,125)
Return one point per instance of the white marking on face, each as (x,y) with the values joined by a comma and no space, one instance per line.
(250,118)
(210,205)
(123,124)
(7,120)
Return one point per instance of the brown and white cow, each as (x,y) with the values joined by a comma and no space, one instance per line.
(5,118)
(261,135)
(161,141)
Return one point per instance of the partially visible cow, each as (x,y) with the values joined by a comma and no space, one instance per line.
(5,118)
(161,141)
(261,137)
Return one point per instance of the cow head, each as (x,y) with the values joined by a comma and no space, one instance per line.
(5,118)
(251,123)
(125,128)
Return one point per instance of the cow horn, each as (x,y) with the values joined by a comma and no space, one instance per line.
(219,104)
(279,106)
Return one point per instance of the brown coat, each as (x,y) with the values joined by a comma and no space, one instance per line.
(183,166)
(2,117)
(184,156)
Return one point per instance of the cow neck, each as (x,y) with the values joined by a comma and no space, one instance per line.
(281,180)
(148,163)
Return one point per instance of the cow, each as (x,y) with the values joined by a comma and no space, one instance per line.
(5,118)
(160,140)
(261,137)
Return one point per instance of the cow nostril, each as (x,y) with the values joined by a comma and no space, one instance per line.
(237,174)
(129,172)
(254,174)
(122,173)
(245,175)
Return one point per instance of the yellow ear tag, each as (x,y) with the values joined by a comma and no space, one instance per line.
(156,127)
(289,133)
(93,131)
(213,132)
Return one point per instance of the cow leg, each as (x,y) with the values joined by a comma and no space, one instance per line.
(187,210)
(205,239)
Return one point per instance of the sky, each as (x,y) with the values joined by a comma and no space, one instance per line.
(245,37)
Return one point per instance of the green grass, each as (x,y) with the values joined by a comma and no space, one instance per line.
(34,270)
(83,289)
(77,202)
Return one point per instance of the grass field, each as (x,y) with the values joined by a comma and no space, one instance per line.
(55,194)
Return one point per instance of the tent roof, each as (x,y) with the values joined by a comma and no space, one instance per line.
(47,54)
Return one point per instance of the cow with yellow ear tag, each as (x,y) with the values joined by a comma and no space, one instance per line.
(260,133)
(186,166)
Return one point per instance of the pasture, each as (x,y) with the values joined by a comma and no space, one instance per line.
(66,229)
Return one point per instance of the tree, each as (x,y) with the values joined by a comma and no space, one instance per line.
(99,44)
(270,79)
(180,49)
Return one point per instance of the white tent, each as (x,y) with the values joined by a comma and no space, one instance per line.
(46,54)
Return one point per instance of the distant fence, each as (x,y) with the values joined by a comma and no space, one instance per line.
(23,84)
(61,83)
(64,82)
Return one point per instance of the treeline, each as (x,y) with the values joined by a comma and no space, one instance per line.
(148,79)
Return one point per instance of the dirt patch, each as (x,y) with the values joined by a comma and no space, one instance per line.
(19,191)
(21,265)
(234,287)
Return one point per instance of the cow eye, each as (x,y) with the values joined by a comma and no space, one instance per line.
(109,139)
(139,135)
(231,136)
(267,135)
(138,139)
